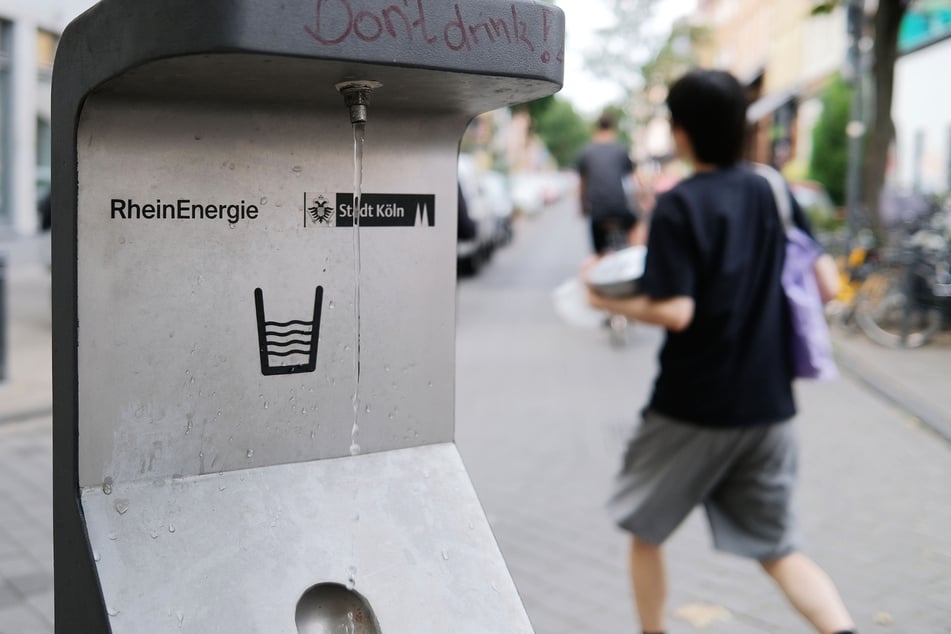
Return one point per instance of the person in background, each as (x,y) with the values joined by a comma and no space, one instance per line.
(717,430)
(608,188)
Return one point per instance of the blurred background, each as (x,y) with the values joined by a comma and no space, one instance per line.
(848,98)
(842,100)
(811,67)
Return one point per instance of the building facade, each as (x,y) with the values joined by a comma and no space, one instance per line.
(29,33)
(920,108)
(785,56)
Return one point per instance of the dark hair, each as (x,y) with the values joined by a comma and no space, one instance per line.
(606,121)
(710,106)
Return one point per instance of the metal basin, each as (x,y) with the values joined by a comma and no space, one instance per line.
(329,608)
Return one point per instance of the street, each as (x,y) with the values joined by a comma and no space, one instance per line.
(543,410)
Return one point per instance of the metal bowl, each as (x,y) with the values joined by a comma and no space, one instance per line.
(617,274)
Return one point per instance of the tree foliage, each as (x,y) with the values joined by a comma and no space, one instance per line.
(626,45)
(562,129)
(883,29)
(829,161)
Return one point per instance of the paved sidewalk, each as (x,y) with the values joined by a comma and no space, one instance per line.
(540,430)
(917,381)
(26,528)
(26,391)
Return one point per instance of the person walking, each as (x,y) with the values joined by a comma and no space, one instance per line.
(717,430)
(607,181)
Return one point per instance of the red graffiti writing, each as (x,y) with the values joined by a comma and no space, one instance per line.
(336,21)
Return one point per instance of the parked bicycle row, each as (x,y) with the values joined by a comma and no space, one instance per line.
(898,292)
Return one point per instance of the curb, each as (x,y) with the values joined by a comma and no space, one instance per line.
(880,385)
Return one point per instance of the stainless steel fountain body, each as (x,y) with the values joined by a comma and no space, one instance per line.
(204,325)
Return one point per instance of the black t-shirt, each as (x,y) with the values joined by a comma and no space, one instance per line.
(717,237)
(604,166)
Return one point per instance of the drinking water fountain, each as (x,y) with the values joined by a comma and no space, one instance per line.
(253,399)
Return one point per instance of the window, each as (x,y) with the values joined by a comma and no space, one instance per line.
(947,158)
(45,52)
(917,158)
(44,156)
(6,151)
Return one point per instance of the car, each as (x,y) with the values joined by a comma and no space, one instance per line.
(494,188)
(476,239)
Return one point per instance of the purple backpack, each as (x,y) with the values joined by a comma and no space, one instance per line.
(811,345)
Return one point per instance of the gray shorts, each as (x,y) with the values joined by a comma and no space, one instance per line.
(744,477)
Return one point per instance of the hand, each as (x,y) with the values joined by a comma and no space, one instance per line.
(597,301)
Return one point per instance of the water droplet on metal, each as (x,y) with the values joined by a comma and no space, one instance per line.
(352,579)
(354,449)
(297,169)
(230,166)
(303,411)
(107,486)
(386,368)
(181,619)
(122,506)
(112,611)
(263,200)
(171,528)
(265,404)
(330,304)
(113,537)
(430,384)
(250,453)
(153,534)
(95,556)
(367,409)
(445,555)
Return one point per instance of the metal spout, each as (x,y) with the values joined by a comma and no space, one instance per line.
(356,96)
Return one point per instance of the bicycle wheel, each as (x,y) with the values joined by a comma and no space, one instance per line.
(889,317)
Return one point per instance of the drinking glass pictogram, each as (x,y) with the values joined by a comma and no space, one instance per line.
(281,340)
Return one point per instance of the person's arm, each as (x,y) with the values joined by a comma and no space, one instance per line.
(826,271)
(667,286)
(827,277)
(674,314)
(583,192)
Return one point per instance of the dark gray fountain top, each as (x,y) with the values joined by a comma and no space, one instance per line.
(468,56)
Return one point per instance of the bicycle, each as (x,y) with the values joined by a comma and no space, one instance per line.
(908,299)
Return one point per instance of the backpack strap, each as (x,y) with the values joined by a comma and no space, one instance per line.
(780,193)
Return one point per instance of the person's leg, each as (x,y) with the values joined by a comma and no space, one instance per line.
(811,591)
(649,580)
(598,238)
